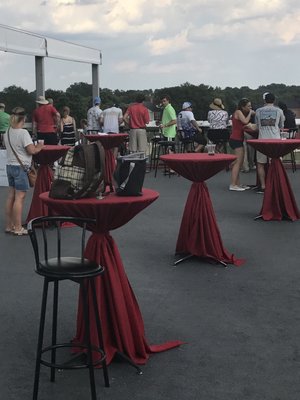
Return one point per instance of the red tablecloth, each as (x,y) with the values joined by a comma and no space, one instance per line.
(46,156)
(108,141)
(279,201)
(122,322)
(199,234)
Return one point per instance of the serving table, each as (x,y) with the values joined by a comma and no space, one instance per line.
(44,158)
(199,233)
(122,322)
(109,142)
(279,201)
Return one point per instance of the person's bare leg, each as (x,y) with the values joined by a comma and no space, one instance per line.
(18,209)
(199,148)
(236,166)
(261,175)
(9,223)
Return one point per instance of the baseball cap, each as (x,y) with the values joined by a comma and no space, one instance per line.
(97,100)
(264,95)
(186,104)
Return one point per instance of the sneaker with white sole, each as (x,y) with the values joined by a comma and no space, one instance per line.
(246,187)
(237,188)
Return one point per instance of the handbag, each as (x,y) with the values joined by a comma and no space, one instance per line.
(32,175)
(31,171)
(130,174)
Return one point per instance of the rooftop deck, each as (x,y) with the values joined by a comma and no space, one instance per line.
(241,324)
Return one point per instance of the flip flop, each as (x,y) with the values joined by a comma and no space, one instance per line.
(21,232)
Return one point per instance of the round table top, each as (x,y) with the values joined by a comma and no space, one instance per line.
(198,167)
(50,153)
(107,140)
(274,148)
(111,211)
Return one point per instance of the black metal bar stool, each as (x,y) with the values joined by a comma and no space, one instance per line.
(290,134)
(186,145)
(154,150)
(60,268)
(164,146)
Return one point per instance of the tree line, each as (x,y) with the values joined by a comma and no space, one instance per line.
(78,97)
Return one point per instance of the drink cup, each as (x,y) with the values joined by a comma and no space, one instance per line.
(41,141)
(211,148)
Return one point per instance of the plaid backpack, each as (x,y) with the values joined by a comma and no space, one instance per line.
(79,173)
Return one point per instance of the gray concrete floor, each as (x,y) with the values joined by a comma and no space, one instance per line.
(241,325)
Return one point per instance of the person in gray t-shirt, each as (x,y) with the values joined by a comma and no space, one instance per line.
(269,120)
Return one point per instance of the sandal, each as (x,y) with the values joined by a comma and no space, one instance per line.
(11,230)
(21,232)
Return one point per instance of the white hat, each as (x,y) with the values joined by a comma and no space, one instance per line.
(186,104)
(42,100)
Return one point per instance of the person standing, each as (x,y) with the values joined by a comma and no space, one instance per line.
(67,128)
(187,125)
(45,121)
(290,117)
(4,122)
(240,118)
(169,120)
(218,132)
(137,117)
(93,116)
(111,119)
(18,139)
(269,120)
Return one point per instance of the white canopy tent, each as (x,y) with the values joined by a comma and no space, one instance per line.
(21,42)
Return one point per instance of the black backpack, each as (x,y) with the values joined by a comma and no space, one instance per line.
(79,173)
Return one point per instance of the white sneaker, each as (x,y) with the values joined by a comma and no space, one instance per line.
(236,188)
(246,187)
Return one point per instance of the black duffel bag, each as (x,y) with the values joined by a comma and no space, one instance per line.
(129,174)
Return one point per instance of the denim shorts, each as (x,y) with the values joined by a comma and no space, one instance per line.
(17,177)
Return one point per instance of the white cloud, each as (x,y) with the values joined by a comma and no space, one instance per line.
(164,40)
(169,44)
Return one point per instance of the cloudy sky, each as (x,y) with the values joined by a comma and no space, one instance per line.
(161,43)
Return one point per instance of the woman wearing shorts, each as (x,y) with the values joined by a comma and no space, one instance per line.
(21,142)
(240,118)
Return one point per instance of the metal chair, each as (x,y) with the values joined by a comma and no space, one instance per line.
(220,138)
(164,147)
(290,134)
(59,268)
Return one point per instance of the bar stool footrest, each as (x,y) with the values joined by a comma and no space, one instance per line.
(69,364)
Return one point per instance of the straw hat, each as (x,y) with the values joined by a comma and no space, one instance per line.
(217,104)
(42,100)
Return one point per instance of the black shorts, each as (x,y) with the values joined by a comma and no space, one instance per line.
(48,137)
(218,135)
(200,139)
(235,144)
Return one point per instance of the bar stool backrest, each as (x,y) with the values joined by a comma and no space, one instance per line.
(42,229)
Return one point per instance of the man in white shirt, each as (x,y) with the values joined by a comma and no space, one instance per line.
(269,120)
(111,119)
(93,116)
(188,127)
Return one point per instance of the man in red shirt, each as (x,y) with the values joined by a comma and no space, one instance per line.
(137,116)
(45,120)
